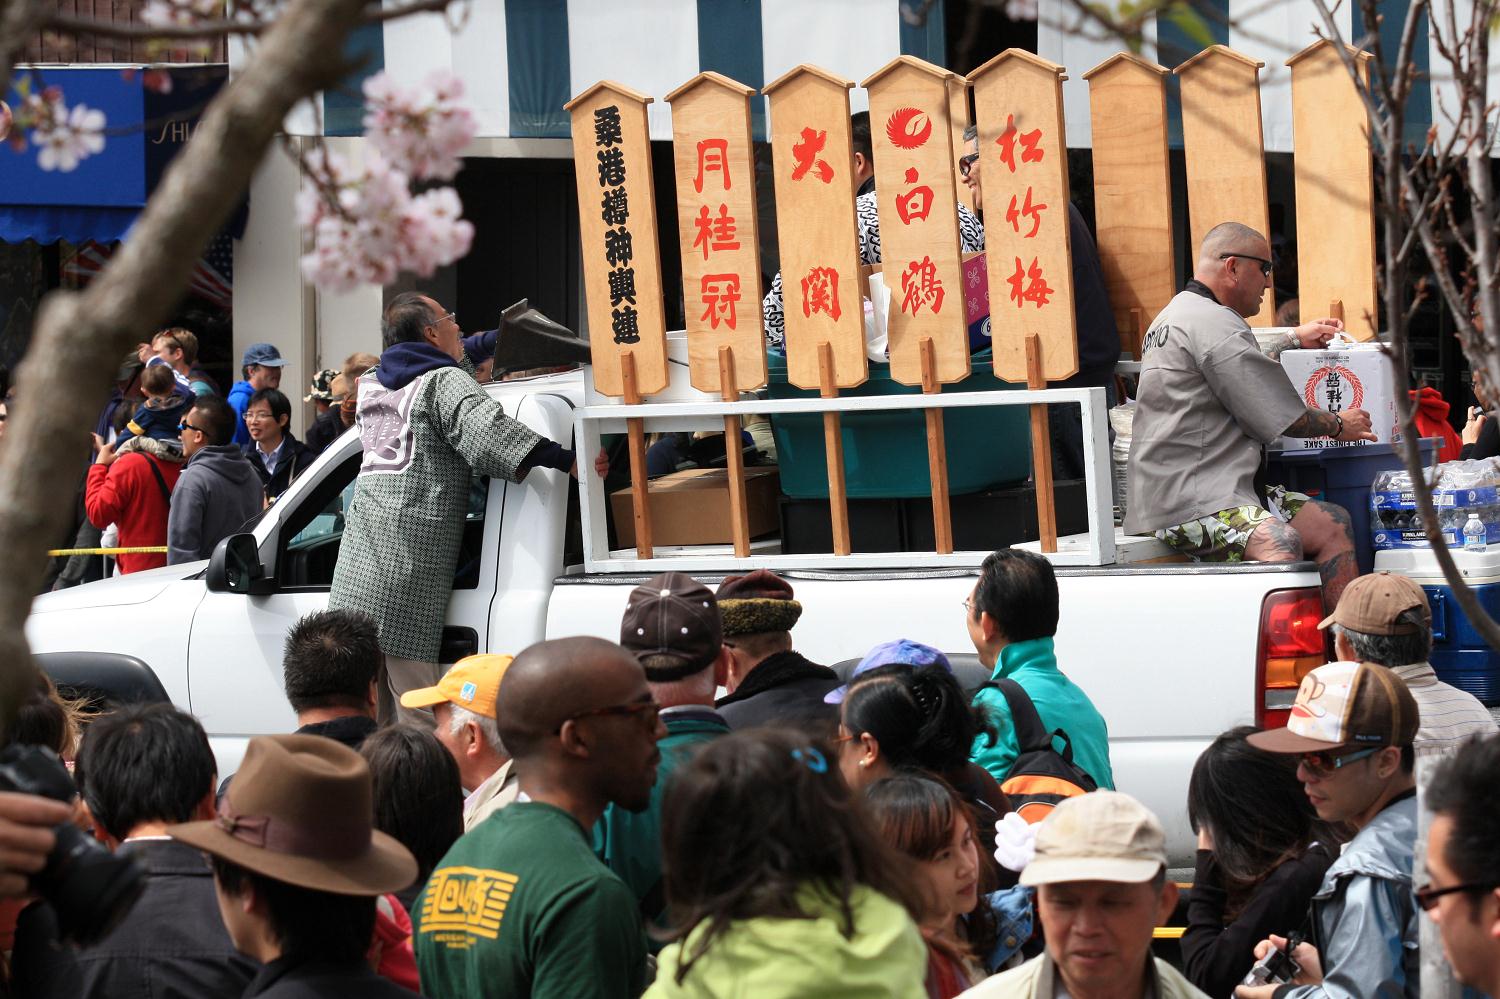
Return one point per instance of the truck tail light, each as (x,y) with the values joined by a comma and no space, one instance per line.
(1290,647)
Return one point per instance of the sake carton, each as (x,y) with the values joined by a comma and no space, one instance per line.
(1339,377)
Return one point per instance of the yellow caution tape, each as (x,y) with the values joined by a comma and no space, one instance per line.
(148,550)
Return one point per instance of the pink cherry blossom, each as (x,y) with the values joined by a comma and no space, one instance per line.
(421,130)
(64,136)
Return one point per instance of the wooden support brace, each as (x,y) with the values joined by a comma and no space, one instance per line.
(833,447)
(1336,310)
(1041,449)
(639,486)
(937,454)
(734,451)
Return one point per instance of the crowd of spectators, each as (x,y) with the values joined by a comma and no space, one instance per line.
(699,811)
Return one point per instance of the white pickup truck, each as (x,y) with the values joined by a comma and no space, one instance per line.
(1171,654)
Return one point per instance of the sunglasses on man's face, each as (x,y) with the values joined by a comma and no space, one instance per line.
(1325,762)
(966,163)
(1427,896)
(1265,265)
(185,425)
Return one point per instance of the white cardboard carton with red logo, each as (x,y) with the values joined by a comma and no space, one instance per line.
(1344,376)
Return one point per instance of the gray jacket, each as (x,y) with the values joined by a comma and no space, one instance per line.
(216,495)
(1365,918)
(423,443)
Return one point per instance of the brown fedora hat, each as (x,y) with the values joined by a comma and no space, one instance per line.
(301,810)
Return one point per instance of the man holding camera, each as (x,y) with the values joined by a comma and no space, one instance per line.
(1353,725)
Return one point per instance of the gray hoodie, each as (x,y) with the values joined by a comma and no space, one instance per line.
(216,495)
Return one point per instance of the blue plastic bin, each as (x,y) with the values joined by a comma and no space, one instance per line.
(885,453)
(1343,475)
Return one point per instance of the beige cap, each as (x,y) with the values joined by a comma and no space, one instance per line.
(1099,836)
(1340,704)
(1371,605)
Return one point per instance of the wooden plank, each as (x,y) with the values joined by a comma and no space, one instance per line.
(617,229)
(958,121)
(734,453)
(1226,165)
(1041,450)
(1132,189)
(1335,187)
(635,431)
(1018,104)
(718,231)
(916,183)
(811,157)
(937,455)
(833,447)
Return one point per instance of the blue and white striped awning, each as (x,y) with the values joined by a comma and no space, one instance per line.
(523,59)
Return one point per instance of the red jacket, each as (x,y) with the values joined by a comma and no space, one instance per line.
(1432,421)
(125,493)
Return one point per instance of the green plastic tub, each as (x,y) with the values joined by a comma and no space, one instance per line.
(885,453)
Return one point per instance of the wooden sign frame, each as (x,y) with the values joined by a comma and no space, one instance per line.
(1132,191)
(1224,149)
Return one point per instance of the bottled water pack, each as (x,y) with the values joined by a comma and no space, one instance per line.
(1459,489)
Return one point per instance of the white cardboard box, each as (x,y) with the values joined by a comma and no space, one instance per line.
(1357,376)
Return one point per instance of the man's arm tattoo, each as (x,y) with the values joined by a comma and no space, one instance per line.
(1283,343)
(1313,423)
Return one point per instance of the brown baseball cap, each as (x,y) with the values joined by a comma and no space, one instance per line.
(301,810)
(1342,704)
(1373,605)
(675,616)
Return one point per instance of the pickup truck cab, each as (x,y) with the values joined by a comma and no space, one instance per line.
(1170,653)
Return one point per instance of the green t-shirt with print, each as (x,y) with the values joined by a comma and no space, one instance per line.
(521,906)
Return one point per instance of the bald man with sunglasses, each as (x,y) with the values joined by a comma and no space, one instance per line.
(1209,402)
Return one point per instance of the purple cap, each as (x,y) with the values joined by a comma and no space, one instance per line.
(901,652)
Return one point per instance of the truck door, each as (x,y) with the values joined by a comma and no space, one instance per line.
(234,651)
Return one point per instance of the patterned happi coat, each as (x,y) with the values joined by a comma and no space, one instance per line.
(422,443)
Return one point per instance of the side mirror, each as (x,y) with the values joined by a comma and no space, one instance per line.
(235,567)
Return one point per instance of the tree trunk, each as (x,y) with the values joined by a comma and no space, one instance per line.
(80,337)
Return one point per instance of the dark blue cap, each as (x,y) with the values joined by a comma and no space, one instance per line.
(263,354)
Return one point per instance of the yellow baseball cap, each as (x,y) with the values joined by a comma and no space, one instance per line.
(472,683)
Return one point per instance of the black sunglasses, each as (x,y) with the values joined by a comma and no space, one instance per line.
(185,425)
(1265,265)
(646,711)
(966,163)
(1427,896)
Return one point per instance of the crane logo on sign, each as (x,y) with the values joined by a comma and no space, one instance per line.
(1333,388)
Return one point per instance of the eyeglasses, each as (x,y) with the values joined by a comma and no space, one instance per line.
(646,711)
(454,316)
(1326,762)
(968,606)
(1427,896)
(257,416)
(1265,265)
(185,425)
(966,164)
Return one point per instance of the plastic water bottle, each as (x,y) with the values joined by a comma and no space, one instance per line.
(1474,534)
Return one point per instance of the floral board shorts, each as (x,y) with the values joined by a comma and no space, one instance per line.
(1222,536)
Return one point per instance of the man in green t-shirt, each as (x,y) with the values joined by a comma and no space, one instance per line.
(521,906)
(671,625)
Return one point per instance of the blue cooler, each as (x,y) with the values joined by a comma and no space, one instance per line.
(1459,655)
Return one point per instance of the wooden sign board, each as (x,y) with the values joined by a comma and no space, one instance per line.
(916,191)
(617,228)
(1018,106)
(958,123)
(1222,144)
(1132,190)
(812,159)
(717,229)
(1335,188)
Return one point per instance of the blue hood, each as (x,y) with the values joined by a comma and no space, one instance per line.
(405,362)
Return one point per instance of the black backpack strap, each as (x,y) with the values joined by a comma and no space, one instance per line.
(161,483)
(1031,735)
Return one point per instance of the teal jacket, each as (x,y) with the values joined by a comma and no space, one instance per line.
(629,843)
(1059,702)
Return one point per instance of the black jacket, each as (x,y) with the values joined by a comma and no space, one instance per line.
(172,945)
(1216,955)
(325,430)
(295,457)
(784,689)
(292,979)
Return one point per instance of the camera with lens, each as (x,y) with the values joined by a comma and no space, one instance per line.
(89,888)
(1277,967)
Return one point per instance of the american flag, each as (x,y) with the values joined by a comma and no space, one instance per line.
(87,260)
(213,278)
